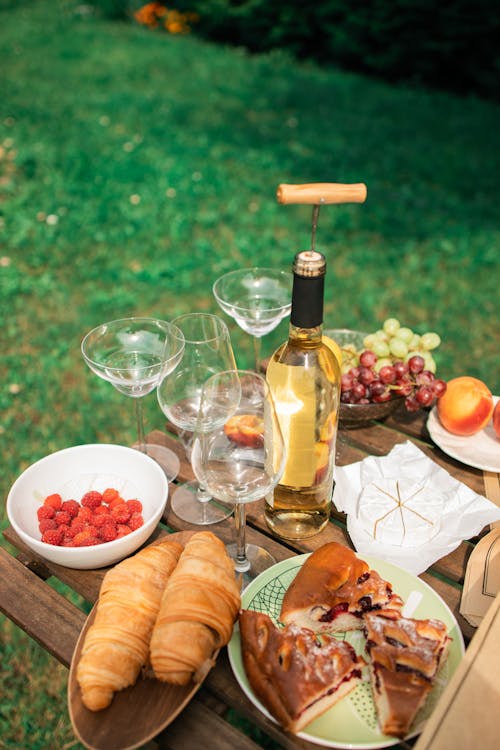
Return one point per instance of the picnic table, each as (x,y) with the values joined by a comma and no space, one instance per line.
(208,721)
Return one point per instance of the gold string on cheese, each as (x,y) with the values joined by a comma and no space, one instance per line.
(400,504)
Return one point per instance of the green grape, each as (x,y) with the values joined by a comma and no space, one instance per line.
(390,326)
(369,340)
(430,341)
(414,342)
(398,348)
(381,335)
(406,334)
(430,364)
(381,348)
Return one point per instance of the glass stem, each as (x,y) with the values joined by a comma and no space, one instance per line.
(256,352)
(141,440)
(241,562)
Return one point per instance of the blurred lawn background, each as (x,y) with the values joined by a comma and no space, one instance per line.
(136,167)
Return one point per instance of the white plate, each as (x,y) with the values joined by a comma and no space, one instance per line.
(352,723)
(482,450)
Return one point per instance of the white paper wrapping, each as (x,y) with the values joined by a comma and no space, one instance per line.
(465,513)
(400,512)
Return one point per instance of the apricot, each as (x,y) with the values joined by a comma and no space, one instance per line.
(496,419)
(466,406)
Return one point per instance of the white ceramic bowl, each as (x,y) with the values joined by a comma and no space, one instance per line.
(73,471)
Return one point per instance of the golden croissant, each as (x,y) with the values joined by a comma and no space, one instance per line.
(197,612)
(116,646)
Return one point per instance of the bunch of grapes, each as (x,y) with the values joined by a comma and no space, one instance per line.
(364,384)
(394,342)
(395,362)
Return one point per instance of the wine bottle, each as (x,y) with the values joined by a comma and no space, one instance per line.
(304,378)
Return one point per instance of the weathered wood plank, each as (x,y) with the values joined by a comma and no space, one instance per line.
(41,612)
(199,727)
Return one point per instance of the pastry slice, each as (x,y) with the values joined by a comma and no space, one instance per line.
(333,590)
(405,656)
(294,673)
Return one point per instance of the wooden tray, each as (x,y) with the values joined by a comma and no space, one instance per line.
(136,714)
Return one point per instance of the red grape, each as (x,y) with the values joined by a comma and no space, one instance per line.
(367,358)
(416,364)
(387,374)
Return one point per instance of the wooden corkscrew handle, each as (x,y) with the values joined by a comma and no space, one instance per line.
(321,193)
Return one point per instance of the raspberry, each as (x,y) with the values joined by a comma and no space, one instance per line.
(134,506)
(76,526)
(109,532)
(85,514)
(45,524)
(45,511)
(101,510)
(136,521)
(65,530)
(101,520)
(122,530)
(120,513)
(109,495)
(53,536)
(116,501)
(91,499)
(53,501)
(62,517)
(84,539)
(71,507)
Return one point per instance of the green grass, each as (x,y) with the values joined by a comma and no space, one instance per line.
(136,167)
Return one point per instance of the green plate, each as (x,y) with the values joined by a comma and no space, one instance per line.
(352,723)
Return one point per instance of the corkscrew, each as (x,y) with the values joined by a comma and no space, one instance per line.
(318,194)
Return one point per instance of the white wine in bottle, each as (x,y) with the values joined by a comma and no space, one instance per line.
(304,377)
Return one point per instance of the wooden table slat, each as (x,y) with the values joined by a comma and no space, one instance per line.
(44,614)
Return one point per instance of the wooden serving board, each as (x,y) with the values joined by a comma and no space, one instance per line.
(137,713)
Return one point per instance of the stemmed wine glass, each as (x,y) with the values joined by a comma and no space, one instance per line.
(134,354)
(207,350)
(238,453)
(257,298)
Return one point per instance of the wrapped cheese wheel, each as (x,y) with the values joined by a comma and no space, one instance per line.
(400,512)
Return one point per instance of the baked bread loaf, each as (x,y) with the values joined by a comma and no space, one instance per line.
(198,609)
(295,674)
(404,656)
(116,646)
(333,590)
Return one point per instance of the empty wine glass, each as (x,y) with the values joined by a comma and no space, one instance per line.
(133,354)
(257,298)
(238,453)
(207,350)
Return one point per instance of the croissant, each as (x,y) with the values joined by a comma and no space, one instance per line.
(116,645)
(197,612)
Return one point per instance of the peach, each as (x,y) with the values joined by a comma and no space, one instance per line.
(246,430)
(496,419)
(466,406)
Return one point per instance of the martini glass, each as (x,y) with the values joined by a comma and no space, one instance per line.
(238,453)
(134,354)
(257,298)
(207,350)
